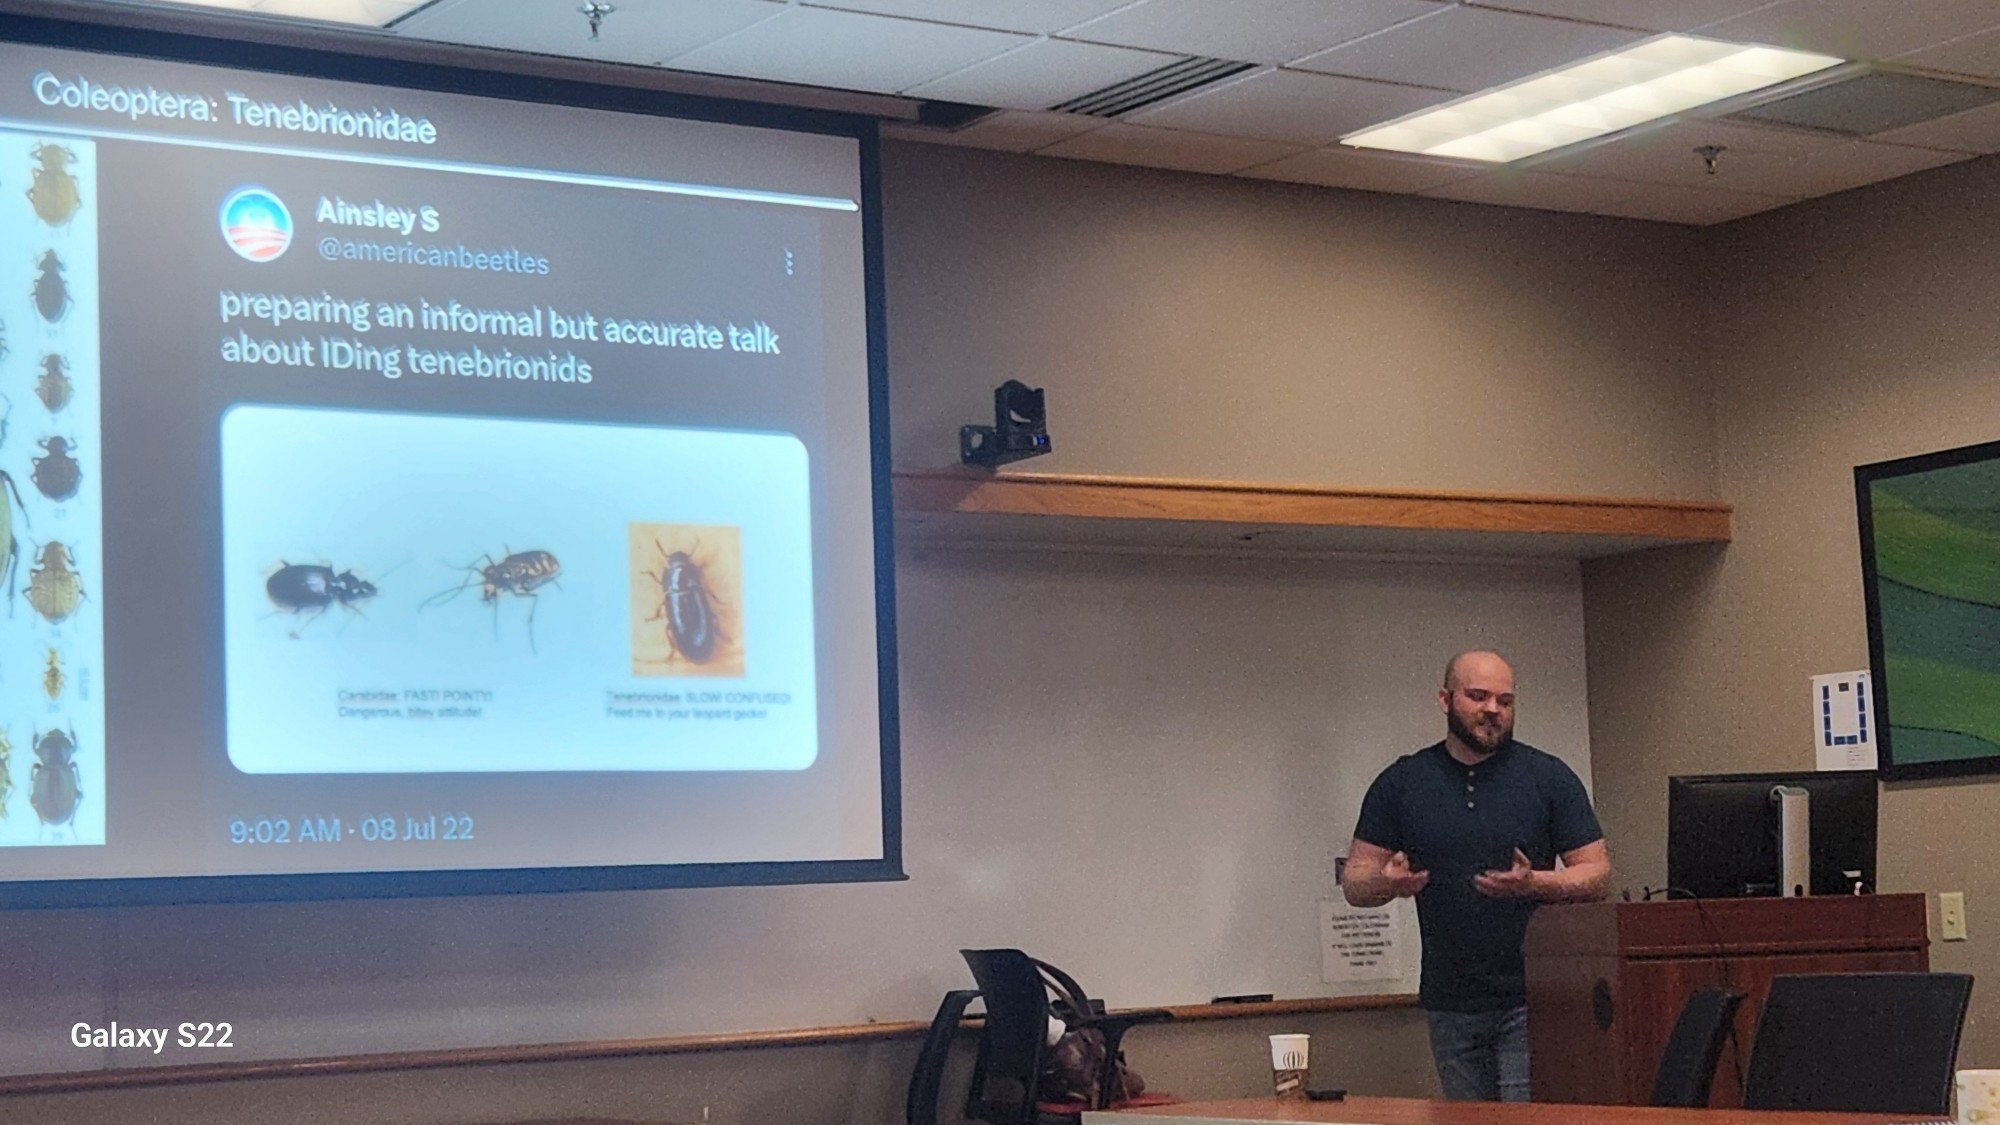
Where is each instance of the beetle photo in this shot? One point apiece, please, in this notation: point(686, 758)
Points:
point(520, 573)
point(53, 193)
point(686, 599)
point(54, 786)
point(310, 589)
point(56, 473)
point(10, 557)
point(51, 291)
point(52, 386)
point(54, 588)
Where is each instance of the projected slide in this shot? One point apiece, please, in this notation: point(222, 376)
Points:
point(52, 776)
point(394, 480)
point(490, 595)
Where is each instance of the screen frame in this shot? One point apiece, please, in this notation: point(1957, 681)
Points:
point(368, 60)
point(1864, 477)
point(1686, 851)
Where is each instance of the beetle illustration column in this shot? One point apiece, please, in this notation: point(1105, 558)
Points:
point(51, 503)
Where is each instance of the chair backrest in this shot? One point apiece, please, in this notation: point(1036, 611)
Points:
point(1005, 1078)
point(1858, 1042)
point(927, 1079)
point(1687, 1067)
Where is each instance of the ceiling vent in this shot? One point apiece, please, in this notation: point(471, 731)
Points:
point(1869, 103)
point(1152, 86)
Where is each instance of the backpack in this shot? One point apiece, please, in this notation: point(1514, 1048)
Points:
point(1073, 1067)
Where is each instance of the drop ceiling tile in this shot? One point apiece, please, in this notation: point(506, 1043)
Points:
point(642, 33)
point(1046, 72)
point(1667, 155)
point(1169, 148)
point(1647, 15)
point(1859, 29)
point(1347, 168)
point(1036, 17)
point(1007, 131)
point(1975, 130)
point(1258, 31)
point(1288, 105)
point(1550, 191)
point(1977, 55)
point(1666, 158)
point(846, 50)
point(1467, 49)
point(1844, 166)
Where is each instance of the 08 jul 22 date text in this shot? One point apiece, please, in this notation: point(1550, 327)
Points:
point(387, 828)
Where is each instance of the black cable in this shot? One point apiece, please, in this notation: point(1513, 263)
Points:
point(1714, 936)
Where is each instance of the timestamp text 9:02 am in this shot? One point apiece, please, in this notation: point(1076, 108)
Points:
point(369, 829)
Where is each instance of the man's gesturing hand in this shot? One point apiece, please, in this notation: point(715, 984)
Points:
point(1402, 881)
point(1517, 881)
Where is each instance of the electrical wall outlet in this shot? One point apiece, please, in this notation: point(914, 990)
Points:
point(1951, 915)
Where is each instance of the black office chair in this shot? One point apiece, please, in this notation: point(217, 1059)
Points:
point(1007, 1075)
point(1687, 1066)
point(927, 1079)
point(1858, 1042)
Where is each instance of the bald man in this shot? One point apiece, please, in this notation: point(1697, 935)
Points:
point(1472, 827)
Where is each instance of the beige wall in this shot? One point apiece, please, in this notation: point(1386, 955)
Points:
point(1839, 332)
point(1195, 326)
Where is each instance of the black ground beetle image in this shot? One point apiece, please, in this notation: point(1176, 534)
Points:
point(688, 606)
point(56, 473)
point(309, 588)
point(51, 291)
point(54, 788)
point(520, 573)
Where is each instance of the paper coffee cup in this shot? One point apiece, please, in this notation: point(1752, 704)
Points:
point(1289, 1061)
point(1978, 1097)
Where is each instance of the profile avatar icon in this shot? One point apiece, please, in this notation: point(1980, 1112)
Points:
point(256, 224)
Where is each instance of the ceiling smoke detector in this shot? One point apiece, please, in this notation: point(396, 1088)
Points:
point(595, 11)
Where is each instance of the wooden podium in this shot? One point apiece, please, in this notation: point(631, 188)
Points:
point(1606, 979)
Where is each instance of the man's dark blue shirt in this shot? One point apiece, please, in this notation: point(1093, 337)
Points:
point(1456, 821)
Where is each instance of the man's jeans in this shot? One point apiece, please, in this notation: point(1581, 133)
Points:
point(1481, 1056)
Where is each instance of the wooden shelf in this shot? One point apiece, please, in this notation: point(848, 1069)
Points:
point(1146, 513)
point(77, 1081)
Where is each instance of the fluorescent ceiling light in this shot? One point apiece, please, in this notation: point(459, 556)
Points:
point(368, 13)
point(1657, 78)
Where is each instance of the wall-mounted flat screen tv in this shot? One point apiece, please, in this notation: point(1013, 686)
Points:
point(408, 488)
point(1930, 561)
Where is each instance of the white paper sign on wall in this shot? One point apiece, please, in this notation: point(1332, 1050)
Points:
point(1366, 944)
point(1843, 721)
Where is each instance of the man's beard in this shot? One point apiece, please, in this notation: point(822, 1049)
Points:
point(1471, 739)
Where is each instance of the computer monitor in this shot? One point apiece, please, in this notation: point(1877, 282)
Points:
point(1722, 832)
